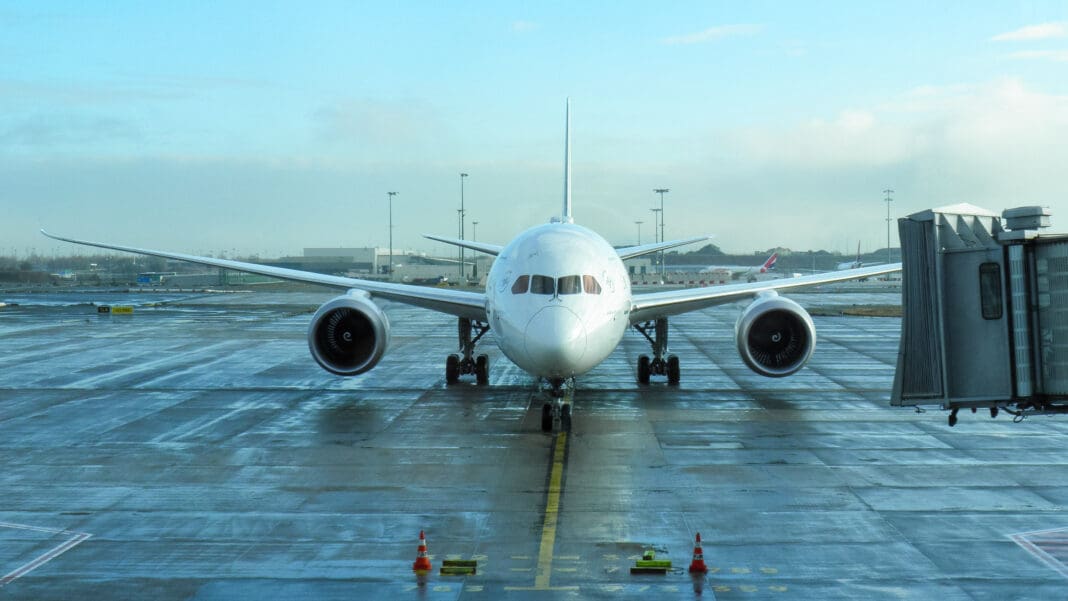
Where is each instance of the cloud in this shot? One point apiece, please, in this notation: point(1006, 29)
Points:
point(60, 130)
point(1042, 31)
point(524, 26)
point(995, 124)
point(378, 124)
point(1060, 56)
point(714, 33)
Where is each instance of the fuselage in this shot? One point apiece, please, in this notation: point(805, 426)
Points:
point(558, 299)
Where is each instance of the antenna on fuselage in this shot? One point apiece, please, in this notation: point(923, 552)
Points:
point(566, 216)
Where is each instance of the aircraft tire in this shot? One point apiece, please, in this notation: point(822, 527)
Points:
point(643, 369)
point(452, 369)
point(547, 417)
point(482, 369)
point(565, 418)
point(673, 374)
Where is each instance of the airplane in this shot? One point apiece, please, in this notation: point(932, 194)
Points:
point(559, 301)
point(751, 273)
point(855, 263)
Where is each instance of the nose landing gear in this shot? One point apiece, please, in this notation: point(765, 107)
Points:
point(556, 410)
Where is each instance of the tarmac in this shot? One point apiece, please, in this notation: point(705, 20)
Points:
point(194, 450)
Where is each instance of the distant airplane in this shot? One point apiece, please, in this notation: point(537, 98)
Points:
point(856, 263)
point(559, 301)
point(750, 272)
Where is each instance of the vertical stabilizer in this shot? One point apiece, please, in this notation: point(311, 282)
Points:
point(566, 215)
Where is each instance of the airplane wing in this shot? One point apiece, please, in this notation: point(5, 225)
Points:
point(630, 252)
point(471, 305)
point(654, 305)
point(489, 249)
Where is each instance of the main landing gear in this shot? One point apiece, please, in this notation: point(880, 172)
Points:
point(470, 331)
point(659, 365)
point(557, 409)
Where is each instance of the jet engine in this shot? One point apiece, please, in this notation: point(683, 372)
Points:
point(348, 335)
point(775, 335)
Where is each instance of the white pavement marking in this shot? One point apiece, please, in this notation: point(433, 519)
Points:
point(76, 538)
point(1032, 542)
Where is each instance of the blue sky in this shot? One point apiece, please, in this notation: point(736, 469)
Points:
point(266, 127)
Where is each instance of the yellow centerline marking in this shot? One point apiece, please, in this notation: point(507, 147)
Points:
point(552, 514)
point(548, 526)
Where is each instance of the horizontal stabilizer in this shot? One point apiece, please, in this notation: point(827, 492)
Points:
point(636, 251)
point(489, 249)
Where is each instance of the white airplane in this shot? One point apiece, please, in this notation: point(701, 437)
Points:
point(855, 263)
point(559, 301)
point(750, 272)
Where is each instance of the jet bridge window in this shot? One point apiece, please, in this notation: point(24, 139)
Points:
point(521, 284)
point(990, 290)
point(589, 283)
point(569, 284)
point(542, 284)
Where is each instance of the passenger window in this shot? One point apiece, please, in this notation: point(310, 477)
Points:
point(541, 284)
point(520, 285)
point(990, 290)
point(569, 284)
point(589, 283)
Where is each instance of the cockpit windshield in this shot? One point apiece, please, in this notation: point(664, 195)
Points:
point(542, 284)
point(521, 284)
point(591, 285)
point(568, 284)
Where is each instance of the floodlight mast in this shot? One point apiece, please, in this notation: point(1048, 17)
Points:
point(390, 268)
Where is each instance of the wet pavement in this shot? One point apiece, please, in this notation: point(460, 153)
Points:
point(194, 450)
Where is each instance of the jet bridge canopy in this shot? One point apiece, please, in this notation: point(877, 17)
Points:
point(985, 321)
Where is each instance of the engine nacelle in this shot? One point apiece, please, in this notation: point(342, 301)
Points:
point(775, 336)
point(348, 335)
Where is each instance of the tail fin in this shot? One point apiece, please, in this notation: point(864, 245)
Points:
point(770, 263)
point(566, 215)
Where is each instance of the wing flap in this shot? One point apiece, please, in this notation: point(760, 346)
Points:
point(471, 305)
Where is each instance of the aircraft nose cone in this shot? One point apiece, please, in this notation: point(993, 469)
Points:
point(556, 340)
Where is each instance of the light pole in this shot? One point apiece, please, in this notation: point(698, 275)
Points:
point(474, 262)
point(391, 195)
point(463, 176)
point(639, 224)
point(888, 192)
point(661, 192)
point(656, 228)
point(459, 221)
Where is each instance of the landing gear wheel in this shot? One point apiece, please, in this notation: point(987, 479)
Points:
point(643, 369)
point(452, 369)
point(547, 417)
point(673, 369)
point(482, 370)
point(565, 418)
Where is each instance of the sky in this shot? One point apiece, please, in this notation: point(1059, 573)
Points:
point(266, 127)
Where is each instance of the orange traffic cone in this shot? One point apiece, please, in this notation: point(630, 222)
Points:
point(422, 562)
point(698, 563)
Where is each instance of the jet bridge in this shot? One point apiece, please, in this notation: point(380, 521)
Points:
point(985, 312)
